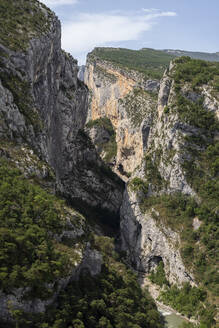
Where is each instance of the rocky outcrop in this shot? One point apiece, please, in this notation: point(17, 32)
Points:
point(129, 101)
point(86, 180)
point(81, 73)
point(166, 139)
point(147, 241)
point(50, 116)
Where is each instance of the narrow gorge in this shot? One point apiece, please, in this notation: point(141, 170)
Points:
point(108, 182)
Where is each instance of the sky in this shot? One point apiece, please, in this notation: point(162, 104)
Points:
point(160, 24)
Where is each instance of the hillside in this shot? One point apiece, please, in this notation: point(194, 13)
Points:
point(150, 62)
point(195, 55)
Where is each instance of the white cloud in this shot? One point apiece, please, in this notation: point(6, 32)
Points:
point(90, 30)
point(56, 3)
point(150, 10)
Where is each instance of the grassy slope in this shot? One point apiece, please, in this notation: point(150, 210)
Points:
point(148, 61)
point(195, 55)
point(22, 20)
point(151, 63)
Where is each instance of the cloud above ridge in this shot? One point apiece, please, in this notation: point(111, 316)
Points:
point(86, 31)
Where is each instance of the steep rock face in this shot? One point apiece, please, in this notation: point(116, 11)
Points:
point(175, 144)
point(51, 114)
point(43, 109)
point(143, 128)
point(148, 242)
point(81, 73)
point(87, 180)
point(128, 101)
point(166, 140)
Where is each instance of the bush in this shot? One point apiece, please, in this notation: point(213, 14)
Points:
point(166, 110)
point(138, 185)
point(158, 276)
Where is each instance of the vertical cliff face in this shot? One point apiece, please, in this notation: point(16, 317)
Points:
point(49, 110)
point(148, 241)
point(129, 101)
point(175, 170)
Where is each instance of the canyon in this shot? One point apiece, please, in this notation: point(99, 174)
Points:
point(133, 157)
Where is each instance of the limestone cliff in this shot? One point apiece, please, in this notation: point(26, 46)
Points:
point(163, 138)
point(148, 241)
point(177, 168)
point(129, 101)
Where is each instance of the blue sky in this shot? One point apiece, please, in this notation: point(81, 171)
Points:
point(160, 24)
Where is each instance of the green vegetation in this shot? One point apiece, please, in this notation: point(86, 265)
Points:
point(108, 147)
point(202, 172)
point(139, 104)
point(138, 185)
point(29, 217)
point(158, 276)
point(195, 55)
point(195, 114)
point(166, 110)
point(189, 301)
point(150, 62)
point(199, 247)
point(111, 299)
point(22, 20)
point(102, 74)
point(108, 300)
point(196, 72)
point(152, 174)
point(103, 122)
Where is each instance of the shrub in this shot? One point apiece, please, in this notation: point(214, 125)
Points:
point(158, 276)
point(166, 110)
point(138, 185)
